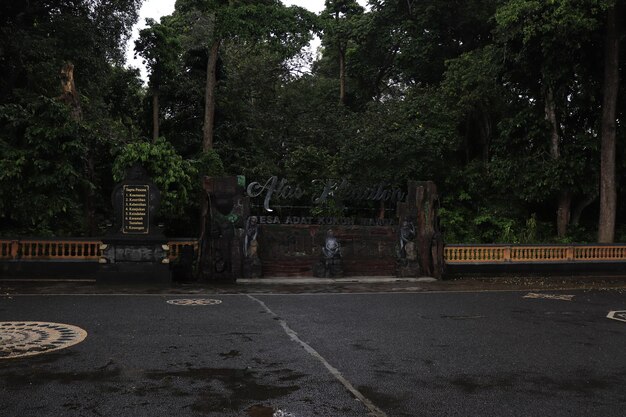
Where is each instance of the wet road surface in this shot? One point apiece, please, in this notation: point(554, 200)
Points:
point(323, 354)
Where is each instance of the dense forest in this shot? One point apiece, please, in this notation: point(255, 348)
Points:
point(512, 107)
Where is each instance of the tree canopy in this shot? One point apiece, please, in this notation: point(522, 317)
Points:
point(512, 107)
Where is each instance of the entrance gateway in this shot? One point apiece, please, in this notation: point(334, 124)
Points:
point(331, 228)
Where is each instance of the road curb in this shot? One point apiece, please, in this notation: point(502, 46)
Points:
point(350, 280)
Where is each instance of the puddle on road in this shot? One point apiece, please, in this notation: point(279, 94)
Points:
point(265, 411)
point(231, 354)
point(229, 389)
point(40, 376)
point(260, 411)
point(212, 389)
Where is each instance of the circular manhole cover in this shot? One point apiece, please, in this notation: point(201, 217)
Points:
point(194, 302)
point(27, 338)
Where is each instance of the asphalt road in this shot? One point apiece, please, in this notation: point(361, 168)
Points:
point(341, 354)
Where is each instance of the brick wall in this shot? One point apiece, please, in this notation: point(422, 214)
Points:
point(289, 250)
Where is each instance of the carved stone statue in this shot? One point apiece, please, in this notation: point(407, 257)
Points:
point(407, 234)
point(252, 231)
point(406, 263)
point(252, 267)
point(330, 266)
point(332, 247)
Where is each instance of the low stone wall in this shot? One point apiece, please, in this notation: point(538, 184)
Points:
point(289, 250)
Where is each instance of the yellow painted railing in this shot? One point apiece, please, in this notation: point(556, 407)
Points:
point(69, 250)
point(600, 252)
point(89, 250)
point(8, 249)
point(34, 249)
point(533, 253)
point(61, 250)
point(463, 254)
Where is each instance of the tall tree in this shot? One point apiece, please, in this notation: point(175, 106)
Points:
point(544, 44)
point(210, 22)
point(49, 135)
point(339, 25)
point(608, 192)
point(159, 46)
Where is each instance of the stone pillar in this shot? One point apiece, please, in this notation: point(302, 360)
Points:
point(223, 236)
point(134, 249)
point(420, 242)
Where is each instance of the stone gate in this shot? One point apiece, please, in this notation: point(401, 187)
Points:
point(244, 236)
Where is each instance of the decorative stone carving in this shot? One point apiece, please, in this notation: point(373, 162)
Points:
point(407, 234)
point(330, 266)
point(251, 263)
point(134, 248)
point(332, 247)
point(250, 242)
point(224, 239)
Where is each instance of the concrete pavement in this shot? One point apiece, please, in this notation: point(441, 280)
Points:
point(292, 285)
point(343, 353)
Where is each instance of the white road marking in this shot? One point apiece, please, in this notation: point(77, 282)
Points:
point(617, 315)
point(563, 297)
point(194, 302)
point(374, 411)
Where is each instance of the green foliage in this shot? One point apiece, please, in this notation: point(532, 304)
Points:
point(330, 208)
point(209, 164)
point(450, 91)
point(472, 80)
point(40, 168)
point(159, 45)
point(51, 182)
point(174, 176)
point(305, 164)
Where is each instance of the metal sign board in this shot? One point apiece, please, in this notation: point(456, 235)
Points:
point(136, 209)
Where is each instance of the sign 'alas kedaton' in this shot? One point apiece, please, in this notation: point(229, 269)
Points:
point(336, 189)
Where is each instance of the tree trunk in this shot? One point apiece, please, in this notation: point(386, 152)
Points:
point(90, 195)
point(69, 94)
point(578, 208)
point(608, 193)
point(71, 97)
point(466, 140)
point(563, 212)
point(342, 75)
point(485, 133)
point(209, 98)
point(155, 114)
point(550, 109)
point(426, 201)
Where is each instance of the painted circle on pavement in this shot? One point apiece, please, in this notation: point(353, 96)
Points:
point(28, 338)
